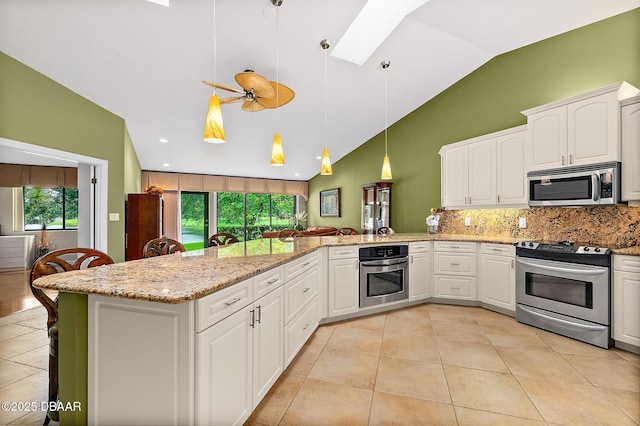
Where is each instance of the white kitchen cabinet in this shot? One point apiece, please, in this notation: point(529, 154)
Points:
point(455, 176)
point(497, 276)
point(15, 252)
point(343, 277)
point(419, 270)
point(454, 270)
point(238, 360)
point(511, 179)
point(630, 140)
point(486, 171)
point(583, 129)
point(626, 299)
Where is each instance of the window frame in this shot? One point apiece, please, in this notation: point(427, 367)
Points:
point(20, 209)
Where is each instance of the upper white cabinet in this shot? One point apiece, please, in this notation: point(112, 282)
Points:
point(630, 128)
point(583, 129)
point(486, 171)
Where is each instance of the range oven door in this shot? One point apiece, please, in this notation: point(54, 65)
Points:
point(574, 290)
point(383, 281)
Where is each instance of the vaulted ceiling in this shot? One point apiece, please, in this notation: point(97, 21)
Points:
point(145, 63)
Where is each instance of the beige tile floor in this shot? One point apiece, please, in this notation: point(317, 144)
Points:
point(441, 365)
point(428, 364)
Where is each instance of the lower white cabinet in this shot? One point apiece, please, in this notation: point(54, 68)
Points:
point(419, 270)
point(238, 360)
point(15, 251)
point(497, 276)
point(454, 270)
point(626, 299)
point(343, 280)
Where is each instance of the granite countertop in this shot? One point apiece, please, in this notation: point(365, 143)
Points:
point(181, 277)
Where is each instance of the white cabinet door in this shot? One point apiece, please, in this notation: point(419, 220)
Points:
point(511, 177)
point(626, 307)
point(482, 173)
point(224, 357)
point(343, 287)
point(593, 134)
point(268, 343)
point(419, 275)
point(630, 127)
point(456, 176)
point(497, 281)
point(547, 139)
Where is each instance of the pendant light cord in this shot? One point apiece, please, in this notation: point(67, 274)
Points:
point(386, 125)
point(326, 97)
point(277, 63)
point(215, 50)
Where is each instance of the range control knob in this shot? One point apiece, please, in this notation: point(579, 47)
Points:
point(597, 249)
point(586, 249)
point(523, 244)
point(530, 244)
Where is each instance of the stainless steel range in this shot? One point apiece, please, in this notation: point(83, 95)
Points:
point(566, 289)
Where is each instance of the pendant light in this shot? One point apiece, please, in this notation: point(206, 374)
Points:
point(386, 166)
point(214, 129)
point(326, 161)
point(277, 154)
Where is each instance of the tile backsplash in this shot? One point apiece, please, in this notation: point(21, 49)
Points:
point(612, 226)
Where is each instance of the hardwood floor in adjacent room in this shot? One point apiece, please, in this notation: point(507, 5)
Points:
point(15, 294)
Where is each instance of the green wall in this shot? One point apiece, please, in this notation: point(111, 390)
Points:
point(487, 100)
point(35, 109)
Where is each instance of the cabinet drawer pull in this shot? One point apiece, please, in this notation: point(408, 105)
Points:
point(232, 301)
point(562, 159)
point(306, 326)
point(272, 280)
point(306, 290)
point(512, 264)
point(253, 318)
point(259, 308)
point(455, 288)
point(454, 246)
point(306, 263)
point(454, 264)
point(570, 158)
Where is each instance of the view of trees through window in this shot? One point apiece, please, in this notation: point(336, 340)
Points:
point(195, 219)
point(248, 216)
point(50, 208)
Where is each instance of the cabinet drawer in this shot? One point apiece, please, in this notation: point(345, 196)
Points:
point(299, 291)
point(13, 242)
point(268, 281)
point(298, 266)
point(298, 331)
point(219, 305)
point(343, 252)
point(455, 287)
point(457, 246)
point(499, 249)
point(626, 263)
point(9, 252)
point(454, 263)
point(13, 262)
point(420, 247)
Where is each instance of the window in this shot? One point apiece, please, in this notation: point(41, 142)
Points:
point(195, 219)
point(50, 208)
point(248, 216)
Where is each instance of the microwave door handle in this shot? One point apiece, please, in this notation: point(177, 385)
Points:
point(596, 187)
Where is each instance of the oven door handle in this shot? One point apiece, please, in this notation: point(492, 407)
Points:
point(563, 269)
point(383, 263)
point(573, 324)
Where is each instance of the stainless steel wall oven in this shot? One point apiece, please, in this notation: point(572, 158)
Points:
point(383, 274)
point(565, 289)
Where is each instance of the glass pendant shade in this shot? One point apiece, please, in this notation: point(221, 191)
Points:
point(386, 169)
point(277, 155)
point(214, 129)
point(326, 163)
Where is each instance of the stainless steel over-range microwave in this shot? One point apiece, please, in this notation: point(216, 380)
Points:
point(590, 185)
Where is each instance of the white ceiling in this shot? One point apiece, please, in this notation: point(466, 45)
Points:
point(145, 62)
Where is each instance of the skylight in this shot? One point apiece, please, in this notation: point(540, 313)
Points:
point(372, 26)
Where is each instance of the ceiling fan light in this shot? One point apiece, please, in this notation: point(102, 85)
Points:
point(277, 154)
point(326, 164)
point(386, 169)
point(214, 128)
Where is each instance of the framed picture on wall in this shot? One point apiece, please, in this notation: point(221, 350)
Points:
point(330, 202)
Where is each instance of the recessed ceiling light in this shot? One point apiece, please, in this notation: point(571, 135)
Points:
point(318, 158)
point(165, 164)
point(164, 140)
point(372, 26)
point(296, 174)
point(160, 2)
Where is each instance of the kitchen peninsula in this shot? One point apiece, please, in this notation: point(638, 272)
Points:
point(178, 338)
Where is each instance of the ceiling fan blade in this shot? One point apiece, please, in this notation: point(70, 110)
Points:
point(251, 106)
point(231, 100)
point(219, 86)
point(282, 95)
point(250, 80)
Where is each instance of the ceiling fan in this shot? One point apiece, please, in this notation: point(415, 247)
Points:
point(257, 92)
